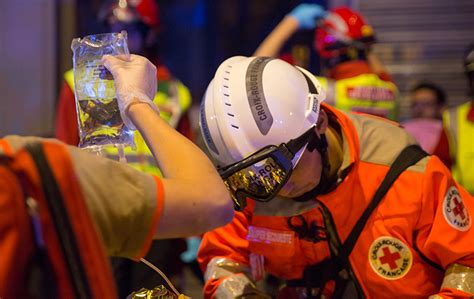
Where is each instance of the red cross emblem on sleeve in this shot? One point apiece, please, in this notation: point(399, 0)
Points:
point(454, 210)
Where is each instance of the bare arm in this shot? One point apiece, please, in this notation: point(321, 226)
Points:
point(375, 64)
point(303, 16)
point(273, 43)
point(196, 199)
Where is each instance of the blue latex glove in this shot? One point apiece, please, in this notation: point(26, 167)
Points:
point(307, 14)
point(191, 253)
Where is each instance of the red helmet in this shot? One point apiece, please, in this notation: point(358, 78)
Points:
point(129, 11)
point(341, 28)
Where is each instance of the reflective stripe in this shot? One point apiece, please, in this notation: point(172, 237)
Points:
point(460, 131)
point(459, 277)
point(234, 286)
point(141, 158)
point(220, 267)
point(69, 77)
point(184, 96)
point(364, 93)
point(235, 274)
point(450, 122)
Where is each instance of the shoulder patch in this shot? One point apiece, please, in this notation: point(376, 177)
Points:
point(455, 211)
point(390, 258)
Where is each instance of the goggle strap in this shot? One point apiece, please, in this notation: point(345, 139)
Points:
point(294, 145)
point(319, 143)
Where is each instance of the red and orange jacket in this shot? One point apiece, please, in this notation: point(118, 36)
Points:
point(101, 210)
point(420, 229)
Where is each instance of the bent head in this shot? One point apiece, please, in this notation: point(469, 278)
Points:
point(257, 118)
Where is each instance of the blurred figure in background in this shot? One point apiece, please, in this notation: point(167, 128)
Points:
point(427, 101)
point(356, 79)
point(459, 122)
point(141, 21)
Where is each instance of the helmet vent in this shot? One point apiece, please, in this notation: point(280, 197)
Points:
point(234, 126)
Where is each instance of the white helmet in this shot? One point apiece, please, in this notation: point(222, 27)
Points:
point(253, 102)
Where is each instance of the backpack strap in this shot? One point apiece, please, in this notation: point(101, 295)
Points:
point(408, 157)
point(319, 274)
point(89, 272)
point(63, 227)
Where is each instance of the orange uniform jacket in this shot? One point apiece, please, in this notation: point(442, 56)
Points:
point(421, 227)
point(124, 203)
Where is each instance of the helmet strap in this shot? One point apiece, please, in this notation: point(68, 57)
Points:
point(320, 144)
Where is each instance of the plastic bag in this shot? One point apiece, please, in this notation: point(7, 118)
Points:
point(98, 114)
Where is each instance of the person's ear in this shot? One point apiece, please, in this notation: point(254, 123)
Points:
point(322, 123)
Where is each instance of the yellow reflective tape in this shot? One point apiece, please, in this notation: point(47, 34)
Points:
point(184, 96)
point(69, 77)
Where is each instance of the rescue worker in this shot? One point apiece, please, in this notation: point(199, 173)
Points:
point(141, 21)
point(304, 176)
point(355, 78)
point(427, 101)
point(459, 122)
point(129, 207)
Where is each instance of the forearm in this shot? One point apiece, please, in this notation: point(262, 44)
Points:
point(375, 64)
point(196, 199)
point(173, 152)
point(273, 43)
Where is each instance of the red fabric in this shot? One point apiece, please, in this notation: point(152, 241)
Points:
point(66, 128)
point(90, 246)
point(354, 68)
point(16, 242)
point(470, 114)
point(442, 149)
point(15, 234)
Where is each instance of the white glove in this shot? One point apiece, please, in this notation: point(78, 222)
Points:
point(135, 82)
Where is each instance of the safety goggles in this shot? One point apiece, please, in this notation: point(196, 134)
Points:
point(261, 175)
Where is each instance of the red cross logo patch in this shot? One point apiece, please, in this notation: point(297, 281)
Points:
point(390, 258)
point(454, 210)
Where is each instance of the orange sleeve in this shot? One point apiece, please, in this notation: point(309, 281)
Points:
point(227, 242)
point(185, 128)
point(444, 232)
point(160, 196)
point(66, 128)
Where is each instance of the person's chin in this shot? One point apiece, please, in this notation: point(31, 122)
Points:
point(294, 193)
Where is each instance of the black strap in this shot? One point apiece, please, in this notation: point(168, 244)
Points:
point(61, 222)
point(409, 156)
point(318, 275)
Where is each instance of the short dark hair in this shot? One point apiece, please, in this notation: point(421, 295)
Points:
point(436, 89)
